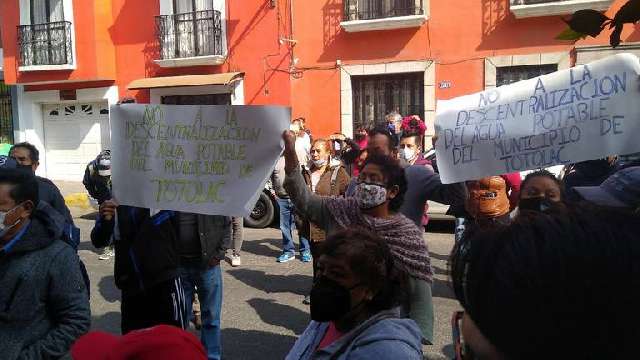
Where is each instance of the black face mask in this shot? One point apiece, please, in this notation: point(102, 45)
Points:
point(28, 168)
point(540, 204)
point(329, 300)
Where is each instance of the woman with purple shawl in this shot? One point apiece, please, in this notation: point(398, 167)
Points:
point(379, 195)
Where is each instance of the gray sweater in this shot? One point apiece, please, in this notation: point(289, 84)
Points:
point(44, 306)
point(383, 336)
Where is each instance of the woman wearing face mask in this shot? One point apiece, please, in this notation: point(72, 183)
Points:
point(539, 191)
point(354, 304)
point(324, 178)
point(378, 196)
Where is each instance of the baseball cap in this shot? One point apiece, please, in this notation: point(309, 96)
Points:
point(162, 342)
point(7, 162)
point(621, 189)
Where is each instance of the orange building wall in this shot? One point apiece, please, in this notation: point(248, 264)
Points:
point(116, 40)
point(252, 42)
point(458, 36)
point(94, 51)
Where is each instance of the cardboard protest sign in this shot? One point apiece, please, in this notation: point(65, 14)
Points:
point(583, 113)
point(202, 159)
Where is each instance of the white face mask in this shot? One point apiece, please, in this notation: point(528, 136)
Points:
point(319, 163)
point(370, 195)
point(408, 153)
point(3, 214)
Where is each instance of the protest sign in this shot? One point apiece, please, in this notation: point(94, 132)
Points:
point(202, 159)
point(583, 113)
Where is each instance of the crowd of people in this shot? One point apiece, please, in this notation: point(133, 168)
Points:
point(544, 267)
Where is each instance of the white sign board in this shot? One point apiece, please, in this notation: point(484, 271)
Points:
point(202, 159)
point(583, 113)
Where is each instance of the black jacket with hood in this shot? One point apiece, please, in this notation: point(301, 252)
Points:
point(44, 305)
point(146, 246)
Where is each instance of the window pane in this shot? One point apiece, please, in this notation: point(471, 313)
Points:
point(376, 96)
point(55, 7)
point(182, 6)
point(509, 74)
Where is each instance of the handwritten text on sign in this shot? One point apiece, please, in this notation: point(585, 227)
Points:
point(582, 113)
point(201, 159)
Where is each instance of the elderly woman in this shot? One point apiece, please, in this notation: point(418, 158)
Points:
point(378, 196)
point(354, 304)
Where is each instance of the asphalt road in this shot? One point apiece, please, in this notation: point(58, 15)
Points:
point(262, 306)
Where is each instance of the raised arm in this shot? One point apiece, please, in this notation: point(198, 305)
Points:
point(305, 202)
point(435, 190)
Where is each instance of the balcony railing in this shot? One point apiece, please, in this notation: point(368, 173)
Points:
point(191, 34)
point(45, 44)
point(381, 9)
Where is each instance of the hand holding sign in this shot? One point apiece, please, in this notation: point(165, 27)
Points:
point(587, 112)
point(202, 159)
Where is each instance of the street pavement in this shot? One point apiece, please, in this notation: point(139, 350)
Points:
point(262, 307)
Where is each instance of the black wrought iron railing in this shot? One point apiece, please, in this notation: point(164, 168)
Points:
point(191, 34)
point(380, 9)
point(45, 44)
point(532, 2)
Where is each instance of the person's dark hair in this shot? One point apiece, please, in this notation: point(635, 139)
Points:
point(394, 175)
point(383, 130)
point(24, 185)
point(34, 154)
point(543, 173)
point(417, 139)
point(370, 259)
point(567, 281)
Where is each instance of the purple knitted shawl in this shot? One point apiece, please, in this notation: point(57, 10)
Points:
point(404, 238)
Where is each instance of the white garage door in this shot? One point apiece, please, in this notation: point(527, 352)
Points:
point(72, 137)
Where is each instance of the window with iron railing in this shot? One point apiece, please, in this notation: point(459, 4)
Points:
point(6, 114)
point(380, 9)
point(45, 44)
point(190, 34)
point(47, 39)
point(377, 95)
point(509, 74)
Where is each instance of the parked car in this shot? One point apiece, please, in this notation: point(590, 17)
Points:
point(266, 210)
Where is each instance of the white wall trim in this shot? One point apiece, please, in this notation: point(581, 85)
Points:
point(562, 59)
point(399, 22)
point(192, 61)
point(47, 67)
point(346, 94)
point(30, 125)
point(236, 90)
point(587, 54)
point(558, 7)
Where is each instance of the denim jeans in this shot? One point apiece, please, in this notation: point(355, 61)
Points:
point(287, 224)
point(209, 284)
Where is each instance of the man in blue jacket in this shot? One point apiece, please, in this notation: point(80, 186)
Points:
point(44, 307)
